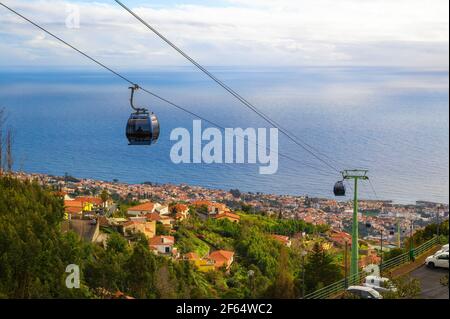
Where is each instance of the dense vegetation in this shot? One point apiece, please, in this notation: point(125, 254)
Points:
point(34, 253)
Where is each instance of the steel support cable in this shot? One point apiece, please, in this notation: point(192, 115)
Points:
point(292, 137)
point(373, 189)
point(146, 90)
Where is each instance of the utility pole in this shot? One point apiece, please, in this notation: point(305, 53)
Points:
point(438, 212)
point(346, 263)
point(356, 175)
point(399, 243)
point(411, 241)
point(381, 255)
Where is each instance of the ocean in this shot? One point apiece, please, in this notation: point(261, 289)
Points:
point(392, 121)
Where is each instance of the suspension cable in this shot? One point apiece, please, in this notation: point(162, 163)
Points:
point(148, 91)
point(373, 189)
point(308, 148)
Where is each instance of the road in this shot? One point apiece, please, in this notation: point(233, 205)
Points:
point(84, 229)
point(430, 282)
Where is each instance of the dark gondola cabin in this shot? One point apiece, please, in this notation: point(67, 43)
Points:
point(142, 129)
point(142, 126)
point(339, 189)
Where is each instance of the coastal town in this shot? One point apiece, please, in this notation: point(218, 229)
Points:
point(92, 207)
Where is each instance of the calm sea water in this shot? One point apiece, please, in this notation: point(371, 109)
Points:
point(395, 122)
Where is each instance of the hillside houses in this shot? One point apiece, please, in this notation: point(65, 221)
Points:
point(167, 221)
point(132, 227)
point(142, 209)
point(148, 208)
point(171, 205)
point(180, 211)
point(212, 208)
point(222, 258)
point(339, 238)
point(73, 208)
point(163, 245)
point(202, 264)
point(94, 202)
point(217, 260)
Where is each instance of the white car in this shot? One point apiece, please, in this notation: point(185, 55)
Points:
point(380, 284)
point(444, 249)
point(364, 292)
point(437, 260)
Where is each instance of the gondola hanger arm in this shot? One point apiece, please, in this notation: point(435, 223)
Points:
point(134, 88)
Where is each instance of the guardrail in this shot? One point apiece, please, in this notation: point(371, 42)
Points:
point(340, 286)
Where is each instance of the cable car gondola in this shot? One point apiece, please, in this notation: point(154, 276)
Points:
point(339, 189)
point(142, 127)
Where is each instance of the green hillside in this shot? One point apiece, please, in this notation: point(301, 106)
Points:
point(34, 253)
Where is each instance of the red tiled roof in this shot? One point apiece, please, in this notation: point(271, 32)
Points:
point(153, 216)
point(221, 257)
point(143, 207)
point(73, 203)
point(158, 240)
point(89, 199)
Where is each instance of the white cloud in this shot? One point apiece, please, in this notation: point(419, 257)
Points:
point(410, 33)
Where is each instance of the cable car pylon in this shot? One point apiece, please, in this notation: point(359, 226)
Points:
point(339, 190)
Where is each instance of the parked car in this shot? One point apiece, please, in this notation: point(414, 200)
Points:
point(364, 292)
point(380, 284)
point(437, 260)
point(444, 249)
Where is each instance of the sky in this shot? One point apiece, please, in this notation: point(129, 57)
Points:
point(374, 33)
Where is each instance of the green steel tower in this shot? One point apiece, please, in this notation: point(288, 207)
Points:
point(356, 174)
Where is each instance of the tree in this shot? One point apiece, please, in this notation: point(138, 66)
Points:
point(321, 269)
point(104, 196)
point(283, 287)
point(34, 253)
point(141, 268)
point(116, 243)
